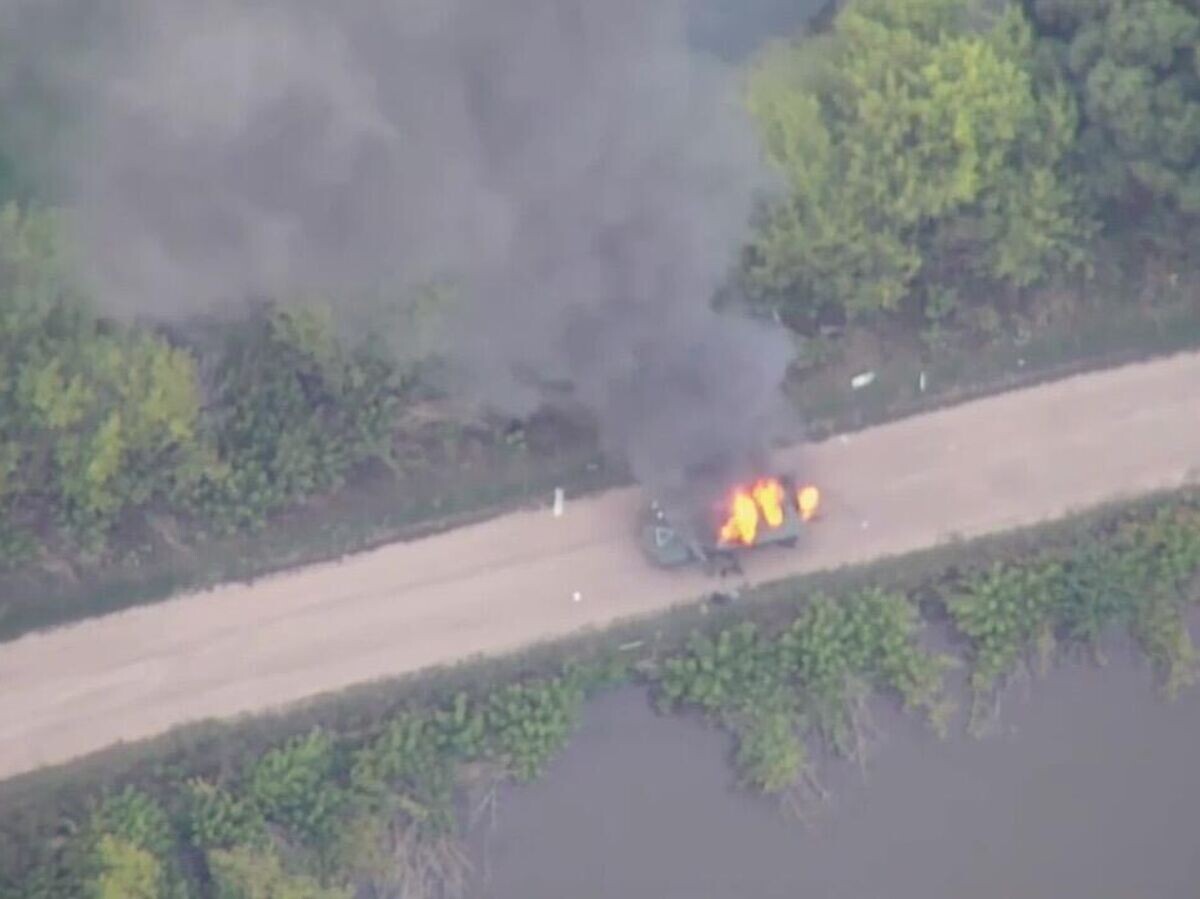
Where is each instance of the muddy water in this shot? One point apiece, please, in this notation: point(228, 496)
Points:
point(1090, 788)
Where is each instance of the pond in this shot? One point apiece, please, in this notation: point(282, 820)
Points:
point(1087, 788)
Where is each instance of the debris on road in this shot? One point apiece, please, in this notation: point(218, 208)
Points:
point(576, 596)
point(724, 597)
point(862, 380)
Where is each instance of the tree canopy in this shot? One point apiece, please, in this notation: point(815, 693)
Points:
point(1136, 73)
point(921, 154)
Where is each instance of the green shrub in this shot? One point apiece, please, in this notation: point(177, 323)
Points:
point(125, 871)
point(247, 874)
point(462, 728)
point(529, 723)
point(137, 819)
point(811, 674)
point(295, 786)
point(1003, 611)
point(770, 754)
point(406, 770)
point(733, 672)
point(218, 820)
point(1139, 577)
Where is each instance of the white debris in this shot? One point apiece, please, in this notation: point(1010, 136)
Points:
point(862, 380)
point(559, 501)
point(842, 438)
point(576, 596)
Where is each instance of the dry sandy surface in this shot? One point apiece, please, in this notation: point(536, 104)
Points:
point(1015, 459)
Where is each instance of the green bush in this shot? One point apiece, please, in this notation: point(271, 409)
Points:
point(1002, 612)
point(1137, 578)
point(770, 756)
point(530, 723)
point(100, 421)
point(462, 728)
point(809, 675)
point(133, 849)
point(406, 770)
point(246, 874)
point(125, 871)
point(295, 786)
point(294, 411)
point(137, 819)
point(216, 819)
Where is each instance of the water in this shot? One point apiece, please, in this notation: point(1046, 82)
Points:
point(1089, 790)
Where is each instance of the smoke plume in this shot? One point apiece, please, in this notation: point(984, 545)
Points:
point(581, 173)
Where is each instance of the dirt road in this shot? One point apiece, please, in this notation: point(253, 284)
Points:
point(1011, 460)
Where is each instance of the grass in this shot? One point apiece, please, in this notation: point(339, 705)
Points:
point(789, 665)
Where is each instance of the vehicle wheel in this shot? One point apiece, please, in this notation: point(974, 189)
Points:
point(730, 565)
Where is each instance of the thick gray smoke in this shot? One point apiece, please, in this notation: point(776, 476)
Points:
point(583, 174)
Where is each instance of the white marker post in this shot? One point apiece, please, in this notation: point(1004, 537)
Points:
point(559, 501)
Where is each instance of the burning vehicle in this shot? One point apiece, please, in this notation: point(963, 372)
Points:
point(712, 522)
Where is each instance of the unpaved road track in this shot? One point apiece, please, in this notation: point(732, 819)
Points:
point(1015, 459)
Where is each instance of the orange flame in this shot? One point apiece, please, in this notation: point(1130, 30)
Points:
point(768, 493)
point(808, 500)
point(742, 526)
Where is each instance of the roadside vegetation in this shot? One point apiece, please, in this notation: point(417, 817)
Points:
point(374, 797)
point(978, 192)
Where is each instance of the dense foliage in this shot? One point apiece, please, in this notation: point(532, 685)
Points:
point(771, 689)
point(100, 421)
point(292, 411)
point(319, 812)
point(924, 159)
point(1134, 70)
point(1140, 580)
point(94, 419)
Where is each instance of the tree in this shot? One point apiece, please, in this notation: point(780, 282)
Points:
point(293, 410)
point(294, 787)
point(95, 419)
point(217, 819)
point(921, 154)
point(117, 417)
point(249, 874)
point(1136, 73)
point(126, 872)
point(135, 818)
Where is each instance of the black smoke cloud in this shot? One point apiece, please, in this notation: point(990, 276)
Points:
point(582, 174)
